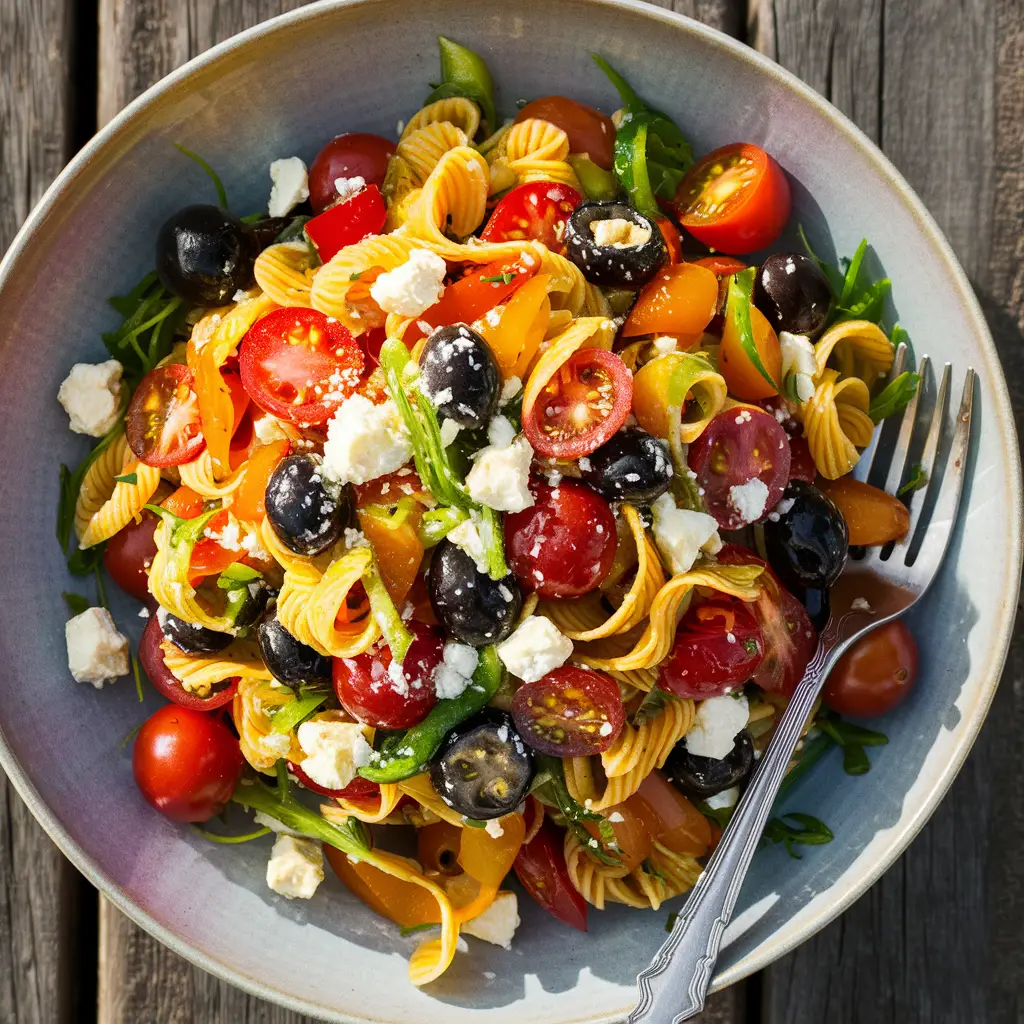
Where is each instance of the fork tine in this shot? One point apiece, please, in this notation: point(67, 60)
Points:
point(918, 502)
point(867, 458)
point(899, 467)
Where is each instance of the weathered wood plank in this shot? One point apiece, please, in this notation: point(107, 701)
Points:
point(725, 15)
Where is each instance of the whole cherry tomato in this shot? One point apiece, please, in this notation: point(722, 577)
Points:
point(353, 155)
point(540, 867)
point(876, 674)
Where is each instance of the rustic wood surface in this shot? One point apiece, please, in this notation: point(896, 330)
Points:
point(939, 84)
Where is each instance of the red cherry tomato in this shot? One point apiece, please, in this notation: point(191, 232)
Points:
point(354, 155)
point(571, 712)
point(538, 210)
point(162, 423)
point(129, 553)
point(583, 404)
point(876, 674)
point(718, 647)
point(348, 222)
point(356, 789)
point(673, 240)
point(299, 365)
point(737, 446)
point(151, 658)
point(186, 763)
point(564, 544)
point(589, 130)
point(367, 692)
point(735, 200)
point(184, 503)
point(540, 868)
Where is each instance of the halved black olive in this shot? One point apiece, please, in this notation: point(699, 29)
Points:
point(288, 660)
point(303, 512)
point(633, 466)
point(460, 375)
point(192, 639)
point(613, 244)
point(793, 294)
point(258, 595)
point(701, 777)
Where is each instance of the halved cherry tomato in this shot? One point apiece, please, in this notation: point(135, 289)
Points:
point(672, 820)
point(352, 155)
point(151, 658)
point(581, 407)
point(872, 516)
point(437, 848)
point(348, 222)
point(876, 674)
point(162, 423)
point(209, 556)
point(673, 240)
point(358, 787)
point(540, 867)
point(679, 299)
point(801, 462)
point(633, 839)
point(718, 646)
point(571, 712)
point(589, 130)
point(184, 503)
point(743, 378)
point(299, 365)
point(129, 553)
point(538, 210)
point(248, 504)
point(736, 199)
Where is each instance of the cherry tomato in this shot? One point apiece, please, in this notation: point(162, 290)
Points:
point(589, 130)
point(209, 556)
point(540, 868)
point(671, 819)
point(564, 544)
point(736, 446)
point(581, 407)
point(366, 690)
point(151, 658)
point(735, 200)
point(801, 461)
point(437, 848)
point(872, 516)
point(299, 365)
point(679, 299)
point(876, 674)
point(358, 787)
point(537, 210)
point(186, 763)
point(249, 498)
point(184, 503)
point(571, 712)
point(633, 839)
point(162, 423)
point(353, 155)
point(348, 222)
point(719, 646)
point(129, 553)
point(743, 378)
point(673, 240)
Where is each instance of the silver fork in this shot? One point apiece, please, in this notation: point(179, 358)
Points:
point(871, 591)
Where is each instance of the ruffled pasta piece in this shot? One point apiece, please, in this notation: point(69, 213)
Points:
point(594, 302)
point(98, 483)
point(836, 423)
point(422, 791)
point(457, 110)
point(859, 348)
point(253, 699)
point(532, 150)
point(126, 501)
point(371, 809)
point(199, 475)
point(423, 148)
point(285, 272)
point(199, 673)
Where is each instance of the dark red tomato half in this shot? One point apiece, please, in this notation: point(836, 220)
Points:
point(129, 553)
point(581, 407)
point(801, 462)
point(348, 222)
point(719, 646)
point(366, 690)
point(739, 445)
point(540, 868)
point(356, 789)
point(151, 658)
point(564, 544)
point(186, 763)
point(354, 155)
point(538, 210)
point(588, 130)
point(299, 365)
point(571, 712)
point(162, 423)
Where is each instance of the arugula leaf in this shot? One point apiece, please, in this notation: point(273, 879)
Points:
point(464, 73)
point(473, 823)
point(75, 602)
point(795, 828)
point(85, 561)
point(222, 196)
point(653, 704)
point(128, 478)
point(832, 273)
point(895, 396)
point(852, 739)
point(555, 793)
point(918, 478)
point(297, 711)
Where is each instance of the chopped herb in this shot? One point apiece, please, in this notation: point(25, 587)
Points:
point(811, 752)
point(214, 838)
point(652, 705)
point(296, 232)
point(128, 478)
point(918, 478)
point(131, 736)
point(137, 674)
point(415, 929)
point(505, 278)
point(721, 816)
point(222, 196)
point(473, 823)
point(852, 739)
point(648, 868)
point(555, 793)
point(355, 277)
point(855, 300)
point(797, 829)
point(75, 602)
point(670, 921)
point(894, 396)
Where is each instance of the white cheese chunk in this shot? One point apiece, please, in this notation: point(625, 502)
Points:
point(749, 499)
point(275, 744)
point(494, 829)
point(91, 396)
point(273, 824)
point(536, 648)
point(500, 477)
point(509, 390)
point(724, 800)
point(365, 441)
point(714, 730)
point(798, 358)
point(291, 186)
point(500, 432)
point(334, 751)
point(498, 923)
point(681, 534)
point(412, 287)
point(295, 868)
point(454, 674)
point(467, 536)
point(619, 233)
point(97, 652)
point(348, 187)
point(269, 429)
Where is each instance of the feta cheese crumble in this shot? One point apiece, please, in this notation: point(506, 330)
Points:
point(493, 828)
point(412, 287)
point(500, 477)
point(291, 186)
point(348, 187)
point(500, 432)
point(714, 730)
point(365, 441)
point(681, 534)
point(295, 868)
point(454, 674)
point(467, 537)
point(749, 499)
point(509, 390)
point(91, 396)
point(498, 923)
point(97, 652)
point(269, 429)
point(724, 800)
point(798, 358)
point(334, 751)
point(536, 647)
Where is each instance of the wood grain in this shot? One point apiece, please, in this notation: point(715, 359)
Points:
point(725, 15)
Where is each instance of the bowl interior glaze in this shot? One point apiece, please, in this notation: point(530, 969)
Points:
point(282, 90)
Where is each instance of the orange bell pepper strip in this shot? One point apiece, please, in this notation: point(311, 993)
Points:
point(520, 329)
point(679, 299)
point(395, 539)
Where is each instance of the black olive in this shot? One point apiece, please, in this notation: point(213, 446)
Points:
point(471, 606)
point(288, 660)
point(267, 229)
point(483, 769)
point(818, 608)
point(460, 375)
point(633, 466)
point(806, 538)
point(626, 257)
point(304, 513)
point(258, 594)
point(205, 254)
point(793, 294)
point(701, 777)
point(192, 639)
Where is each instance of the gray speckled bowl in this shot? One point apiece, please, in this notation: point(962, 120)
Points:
point(282, 89)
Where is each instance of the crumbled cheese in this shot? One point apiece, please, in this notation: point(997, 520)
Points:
point(454, 674)
point(413, 286)
point(616, 817)
point(724, 800)
point(798, 358)
point(509, 390)
point(714, 730)
point(500, 432)
point(749, 499)
point(91, 396)
point(355, 538)
point(500, 477)
point(449, 431)
point(536, 648)
point(619, 233)
point(97, 652)
point(295, 868)
point(467, 537)
point(665, 344)
point(273, 824)
point(269, 429)
point(291, 186)
point(348, 187)
point(860, 604)
point(334, 751)
point(494, 829)
point(681, 534)
point(275, 744)
point(365, 441)
point(498, 923)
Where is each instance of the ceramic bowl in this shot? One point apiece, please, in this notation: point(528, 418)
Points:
point(283, 89)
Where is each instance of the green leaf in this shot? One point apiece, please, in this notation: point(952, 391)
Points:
point(153, 317)
point(650, 869)
point(297, 711)
point(855, 761)
point(222, 196)
point(414, 929)
point(502, 278)
point(795, 828)
point(137, 676)
point(237, 574)
point(295, 230)
point(128, 478)
point(809, 755)
point(465, 73)
point(231, 840)
point(852, 273)
point(653, 704)
point(84, 561)
point(918, 478)
point(895, 396)
point(184, 535)
point(629, 98)
point(741, 287)
point(473, 823)
point(76, 603)
point(833, 274)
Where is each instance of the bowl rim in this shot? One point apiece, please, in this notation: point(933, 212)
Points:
point(845, 889)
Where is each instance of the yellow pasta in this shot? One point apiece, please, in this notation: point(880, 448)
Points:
point(285, 272)
point(199, 673)
point(98, 483)
point(532, 150)
point(836, 423)
point(126, 501)
point(858, 347)
point(261, 746)
point(371, 809)
point(457, 110)
point(423, 148)
point(199, 475)
point(420, 789)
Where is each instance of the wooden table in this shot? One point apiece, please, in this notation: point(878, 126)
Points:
point(939, 84)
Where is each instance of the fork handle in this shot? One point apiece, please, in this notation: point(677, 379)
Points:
point(674, 986)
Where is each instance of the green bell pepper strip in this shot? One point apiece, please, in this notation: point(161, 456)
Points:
point(403, 755)
point(437, 523)
point(297, 711)
point(382, 608)
point(598, 184)
point(464, 73)
point(737, 309)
